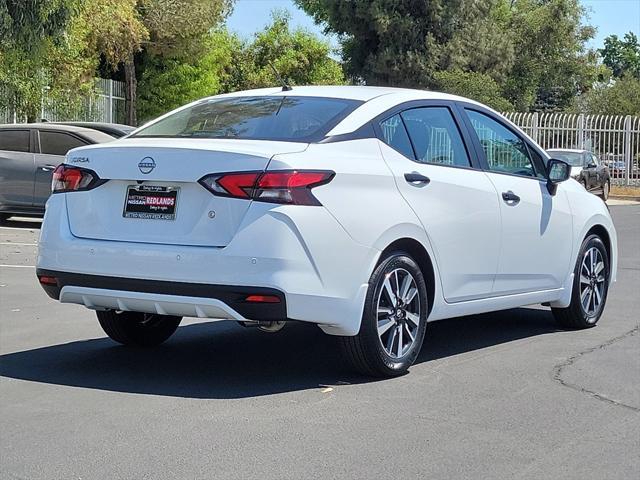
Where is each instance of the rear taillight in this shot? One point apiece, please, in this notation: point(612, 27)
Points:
point(72, 179)
point(285, 186)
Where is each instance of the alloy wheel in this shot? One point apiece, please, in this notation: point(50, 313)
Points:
point(592, 282)
point(398, 310)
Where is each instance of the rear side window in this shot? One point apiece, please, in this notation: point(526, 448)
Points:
point(395, 135)
point(14, 140)
point(58, 143)
point(435, 136)
point(293, 119)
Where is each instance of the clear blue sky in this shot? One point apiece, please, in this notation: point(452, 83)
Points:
point(608, 16)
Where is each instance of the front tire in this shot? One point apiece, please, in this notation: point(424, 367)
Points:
point(590, 287)
point(136, 328)
point(394, 320)
point(606, 188)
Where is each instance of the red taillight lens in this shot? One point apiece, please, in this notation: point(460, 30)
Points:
point(286, 186)
point(72, 179)
point(46, 280)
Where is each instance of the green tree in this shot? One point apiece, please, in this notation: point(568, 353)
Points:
point(402, 43)
point(30, 32)
point(477, 86)
point(622, 56)
point(299, 57)
point(621, 97)
point(167, 83)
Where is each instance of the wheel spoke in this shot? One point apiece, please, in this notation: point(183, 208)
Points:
point(597, 299)
point(400, 346)
point(584, 279)
point(385, 325)
point(384, 312)
point(391, 340)
point(599, 268)
point(413, 318)
point(404, 290)
point(410, 296)
point(408, 330)
point(583, 297)
point(389, 290)
point(589, 301)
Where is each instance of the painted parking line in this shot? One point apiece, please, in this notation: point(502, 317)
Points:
point(17, 266)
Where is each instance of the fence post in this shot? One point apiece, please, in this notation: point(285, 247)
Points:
point(581, 131)
point(534, 127)
point(627, 149)
point(110, 114)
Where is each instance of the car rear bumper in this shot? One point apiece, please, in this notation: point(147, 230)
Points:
point(302, 255)
point(164, 298)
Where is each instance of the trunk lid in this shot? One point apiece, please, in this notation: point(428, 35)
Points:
point(149, 176)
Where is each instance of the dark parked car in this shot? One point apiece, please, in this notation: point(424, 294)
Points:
point(586, 168)
point(28, 155)
point(116, 130)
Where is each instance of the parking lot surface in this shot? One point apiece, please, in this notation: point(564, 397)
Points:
point(503, 395)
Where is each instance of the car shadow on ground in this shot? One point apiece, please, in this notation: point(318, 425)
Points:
point(223, 360)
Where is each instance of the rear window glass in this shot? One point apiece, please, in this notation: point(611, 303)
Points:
point(294, 119)
point(58, 143)
point(14, 140)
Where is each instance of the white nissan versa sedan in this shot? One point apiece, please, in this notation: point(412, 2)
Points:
point(367, 211)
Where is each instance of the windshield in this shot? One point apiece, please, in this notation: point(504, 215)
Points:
point(294, 119)
point(575, 159)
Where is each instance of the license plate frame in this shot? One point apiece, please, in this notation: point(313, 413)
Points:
point(146, 202)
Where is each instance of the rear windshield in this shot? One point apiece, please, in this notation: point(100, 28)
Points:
point(292, 119)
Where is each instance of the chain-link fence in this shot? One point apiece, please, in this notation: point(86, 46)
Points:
point(106, 104)
point(615, 139)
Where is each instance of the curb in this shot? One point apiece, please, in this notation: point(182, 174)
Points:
point(633, 198)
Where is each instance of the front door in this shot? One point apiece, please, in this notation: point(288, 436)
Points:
point(16, 169)
point(456, 203)
point(536, 226)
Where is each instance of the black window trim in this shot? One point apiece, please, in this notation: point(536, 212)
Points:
point(38, 145)
point(464, 106)
point(457, 120)
point(19, 128)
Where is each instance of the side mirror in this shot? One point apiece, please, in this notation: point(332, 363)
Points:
point(557, 171)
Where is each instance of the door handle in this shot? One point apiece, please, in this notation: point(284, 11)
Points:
point(510, 198)
point(416, 179)
point(48, 168)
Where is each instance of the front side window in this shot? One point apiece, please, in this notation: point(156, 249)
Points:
point(14, 140)
point(435, 136)
point(505, 151)
point(293, 119)
point(58, 143)
point(395, 135)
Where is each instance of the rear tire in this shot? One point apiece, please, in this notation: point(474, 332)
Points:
point(394, 320)
point(136, 328)
point(590, 287)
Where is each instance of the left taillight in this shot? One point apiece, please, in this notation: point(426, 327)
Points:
point(292, 187)
point(74, 179)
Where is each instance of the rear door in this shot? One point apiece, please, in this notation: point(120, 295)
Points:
point(16, 168)
point(454, 200)
point(53, 146)
point(537, 229)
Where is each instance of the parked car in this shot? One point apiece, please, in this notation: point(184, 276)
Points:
point(587, 169)
point(337, 206)
point(116, 130)
point(28, 155)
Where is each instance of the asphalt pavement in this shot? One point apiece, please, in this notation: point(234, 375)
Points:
point(504, 395)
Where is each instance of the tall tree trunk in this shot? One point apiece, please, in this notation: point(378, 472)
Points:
point(130, 86)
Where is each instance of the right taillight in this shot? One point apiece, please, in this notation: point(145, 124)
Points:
point(72, 179)
point(291, 187)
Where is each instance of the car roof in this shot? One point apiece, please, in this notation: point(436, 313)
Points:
point(350, 92)
point(100, 126)
point(88, 133)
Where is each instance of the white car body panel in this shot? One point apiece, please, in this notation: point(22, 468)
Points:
point(486, 255)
